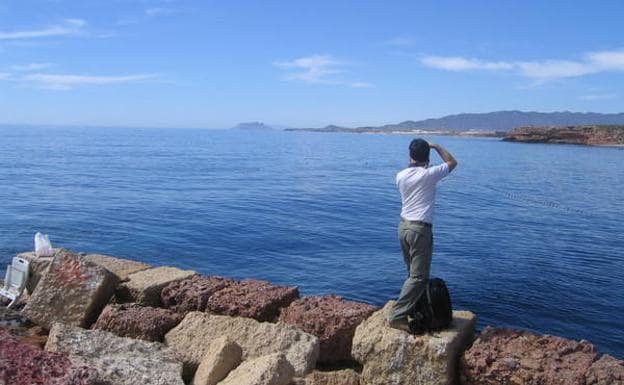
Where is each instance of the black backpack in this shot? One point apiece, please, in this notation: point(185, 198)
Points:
point(433, 310)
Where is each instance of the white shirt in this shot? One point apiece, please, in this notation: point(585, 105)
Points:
point(417, 186)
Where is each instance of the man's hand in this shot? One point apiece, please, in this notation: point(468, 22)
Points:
point(445, 155)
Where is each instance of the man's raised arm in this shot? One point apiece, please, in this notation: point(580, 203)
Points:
point(445, 155)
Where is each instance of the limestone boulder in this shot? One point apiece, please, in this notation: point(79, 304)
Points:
point(332, 319)
point(272, 369)
point(192, 294)
point(118, 360)
point(24, 364)
point(502, 356)
point(144, 287)
point(37, 267)
point(137, 321)
point(120, 267)
point(394, 357)
point(73, 292)
point(332, 377)
point(607, 370)
point(222, 357)
point(197, 331)
point(251, 298)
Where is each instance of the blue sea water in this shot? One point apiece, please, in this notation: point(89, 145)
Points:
point(526, 236)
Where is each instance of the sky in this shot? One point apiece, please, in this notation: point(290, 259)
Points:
point(213, 64)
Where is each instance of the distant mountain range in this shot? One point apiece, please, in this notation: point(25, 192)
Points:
point(491, 121)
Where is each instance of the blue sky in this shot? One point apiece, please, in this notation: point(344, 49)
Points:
point(213, 64)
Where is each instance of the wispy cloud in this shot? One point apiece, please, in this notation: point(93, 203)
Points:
point(30, 66)
point(401, 41)
point(68, 27)
point(458, 63)
point(318, 69)
point(592, 97)
point(5, 75)
point(69, 81)
point(158, 11)
point(541, 70)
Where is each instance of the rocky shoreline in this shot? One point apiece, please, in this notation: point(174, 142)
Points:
point(96, 319)
point(584, 135)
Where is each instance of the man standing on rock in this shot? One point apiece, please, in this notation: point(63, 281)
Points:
point(417, 185)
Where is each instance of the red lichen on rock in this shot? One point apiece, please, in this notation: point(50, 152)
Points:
point(501, 356)
point(23, 364)
point(136, 321)
point(332, 319)
point(251, 298)
point(192, 294)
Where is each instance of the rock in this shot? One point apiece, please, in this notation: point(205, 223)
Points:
point(192, 294)
point(73, 292)
point(37, 267)
point(393, 357)
point(222, 357)
point(144, 287)
point(119, 360)
point(580, 134)
point(24, 364)
point(259, 300)
point(120, 267)
point(333, 377)
point(11, 318)
point(136, 321)
point(606, 371)
point(272, 369)
point(332, 319)
point(194, 335)
point(501, 356)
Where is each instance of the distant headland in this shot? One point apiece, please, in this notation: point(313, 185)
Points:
point(586, 134)
point(495, 123)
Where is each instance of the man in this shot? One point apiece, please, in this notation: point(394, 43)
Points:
point(417, 185)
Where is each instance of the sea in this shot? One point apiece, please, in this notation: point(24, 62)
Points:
point(527, 236)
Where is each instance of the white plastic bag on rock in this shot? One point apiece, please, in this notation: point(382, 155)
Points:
point(43, 247)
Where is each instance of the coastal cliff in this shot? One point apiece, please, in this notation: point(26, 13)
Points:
point(96, 319)
point(587, 135)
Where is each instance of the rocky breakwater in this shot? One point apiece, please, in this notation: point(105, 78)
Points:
point(167, 326)
point(587, 135)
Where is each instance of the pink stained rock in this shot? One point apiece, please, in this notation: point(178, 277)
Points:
point(136, 321)
point(502, 356)
point(332, 319)
point(251, 298)
point(73, 291)
point(192, 294)
point(24, 364)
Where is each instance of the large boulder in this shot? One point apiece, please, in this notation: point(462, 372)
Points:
point(120, 267)
point(137, 321)
point(24, 364)
point(272, 369)
point(192, 294)
point(194, 335)
point(144, 287)
point(73, 292)
point(332, 319)
point(222, 357)
point(392, 357)
point(606, 371)
point(118, 360)
point(501, 356)
point(251, 298)
point(331, 377)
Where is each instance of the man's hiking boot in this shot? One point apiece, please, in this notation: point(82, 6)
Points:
point(400, 325)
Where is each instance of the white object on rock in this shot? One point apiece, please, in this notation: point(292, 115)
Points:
point(43, 247)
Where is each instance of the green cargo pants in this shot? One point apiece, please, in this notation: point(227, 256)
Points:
point(417, 244)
